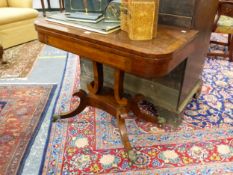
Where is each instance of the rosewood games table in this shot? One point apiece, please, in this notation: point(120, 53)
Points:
point(146, 59)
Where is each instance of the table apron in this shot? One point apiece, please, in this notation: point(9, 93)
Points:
point(127, 62)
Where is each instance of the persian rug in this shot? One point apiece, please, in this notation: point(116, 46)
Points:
point(90, 142)
point(20, 59)
point(22, 109)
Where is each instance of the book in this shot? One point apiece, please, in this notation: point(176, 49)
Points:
point(84, 20)
point(84, 15)
point(99, 27)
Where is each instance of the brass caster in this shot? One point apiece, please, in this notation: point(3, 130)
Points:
point(197, 94)
point(56, 117)
point(132, 156)
point(161, 122)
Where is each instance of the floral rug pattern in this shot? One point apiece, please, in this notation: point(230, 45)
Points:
point(22, 108)
point(203, 143)
point(20, 59)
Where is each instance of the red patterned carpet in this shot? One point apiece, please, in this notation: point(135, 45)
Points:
point(22, 109)
point(202, 144)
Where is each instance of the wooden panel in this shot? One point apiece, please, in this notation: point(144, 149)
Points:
point(172, 46)
point(175, 20)
point(177, 7)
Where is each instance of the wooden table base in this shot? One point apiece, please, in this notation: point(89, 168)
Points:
point(111, 101)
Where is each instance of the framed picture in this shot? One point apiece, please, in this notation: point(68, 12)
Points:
point(86, 5)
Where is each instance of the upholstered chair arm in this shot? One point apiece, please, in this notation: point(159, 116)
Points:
point(20, 3)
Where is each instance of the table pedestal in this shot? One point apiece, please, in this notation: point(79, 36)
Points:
point(111, 100)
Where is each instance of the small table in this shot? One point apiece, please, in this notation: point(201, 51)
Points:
point(147, 59)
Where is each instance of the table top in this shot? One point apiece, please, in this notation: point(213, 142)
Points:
point(171, 46)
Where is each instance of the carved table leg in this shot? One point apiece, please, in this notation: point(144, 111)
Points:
point(96, 85)
point(121, 112)
point(82, 105)
point(85, 100)
point(124, 137)
point(118, 88)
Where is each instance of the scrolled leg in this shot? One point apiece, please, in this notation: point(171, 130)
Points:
point(124, 137)
point(82, 105)
point(119, 88)
point(96, 85)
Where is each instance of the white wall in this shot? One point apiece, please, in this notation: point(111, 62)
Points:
point(53, 3)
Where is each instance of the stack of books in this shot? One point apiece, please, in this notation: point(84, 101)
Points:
point(85, 17)
point(90, 21)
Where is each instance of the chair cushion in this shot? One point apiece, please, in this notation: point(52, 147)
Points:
point(10, 14)
point(225, 25)
point(3, 3)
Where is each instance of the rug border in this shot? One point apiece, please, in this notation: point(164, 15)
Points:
point(35, 62)
point(32, 139)
point(50, 122)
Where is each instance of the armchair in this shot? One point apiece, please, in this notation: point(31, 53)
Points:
point(224, 24)
point(16, 22)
